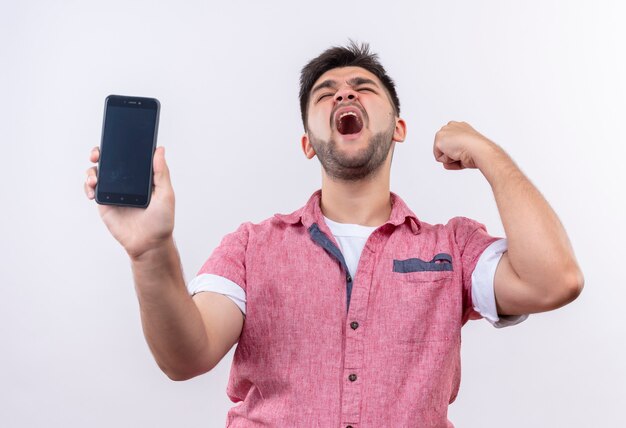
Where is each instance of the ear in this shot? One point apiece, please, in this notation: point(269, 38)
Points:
point(307, 148)
point(399, 134)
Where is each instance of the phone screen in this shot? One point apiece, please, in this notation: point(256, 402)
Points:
point(128, 142)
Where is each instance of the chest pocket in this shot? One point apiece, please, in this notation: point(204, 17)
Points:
point(427, 299)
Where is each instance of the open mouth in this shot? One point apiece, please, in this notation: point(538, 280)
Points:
point(349, 122)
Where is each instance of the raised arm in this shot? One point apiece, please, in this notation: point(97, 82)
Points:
point(539, 271)
point(186, 336)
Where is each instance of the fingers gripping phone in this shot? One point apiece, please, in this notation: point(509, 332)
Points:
point(129, 135)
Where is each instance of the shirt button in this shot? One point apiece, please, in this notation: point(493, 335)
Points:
point(354, 325)
point(352, 377)
point(348, 278)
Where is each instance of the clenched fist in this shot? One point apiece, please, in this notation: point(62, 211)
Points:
point(458, 146)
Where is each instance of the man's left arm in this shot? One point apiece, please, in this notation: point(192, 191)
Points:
point(539, 271)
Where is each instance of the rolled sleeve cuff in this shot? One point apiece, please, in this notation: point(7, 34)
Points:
point(221, 285)
point(483, 286)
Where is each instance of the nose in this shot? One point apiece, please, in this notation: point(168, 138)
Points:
point(345, 94)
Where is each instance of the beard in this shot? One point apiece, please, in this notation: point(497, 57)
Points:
point(363, 164)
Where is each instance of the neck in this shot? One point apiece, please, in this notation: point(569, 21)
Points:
point(365, 202)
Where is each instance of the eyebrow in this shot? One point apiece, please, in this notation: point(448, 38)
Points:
point(355, 81)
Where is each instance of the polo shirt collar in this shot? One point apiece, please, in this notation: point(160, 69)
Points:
point(312, 213)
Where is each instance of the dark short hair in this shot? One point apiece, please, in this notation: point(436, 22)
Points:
point(353, 55)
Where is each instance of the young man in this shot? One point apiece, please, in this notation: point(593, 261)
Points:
point(348, 311)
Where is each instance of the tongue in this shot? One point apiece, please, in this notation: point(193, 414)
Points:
point(349, 125)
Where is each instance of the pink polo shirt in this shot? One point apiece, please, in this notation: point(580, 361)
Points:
point(322, 349)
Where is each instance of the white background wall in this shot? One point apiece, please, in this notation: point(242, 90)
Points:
point(544, 79)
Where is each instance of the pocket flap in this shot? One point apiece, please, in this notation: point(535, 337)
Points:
point(441, 262)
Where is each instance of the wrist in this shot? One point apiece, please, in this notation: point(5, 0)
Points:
point(155, 251)
point(158, 274)
point(491, 160)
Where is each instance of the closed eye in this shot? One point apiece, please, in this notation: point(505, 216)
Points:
point(324, 96)
point(367, 89)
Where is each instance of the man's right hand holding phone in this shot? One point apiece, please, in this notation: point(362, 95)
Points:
point(139, 230)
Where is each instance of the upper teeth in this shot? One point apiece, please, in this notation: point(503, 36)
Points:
point(347, 113)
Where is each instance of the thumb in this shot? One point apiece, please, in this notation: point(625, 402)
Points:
point(161, 171)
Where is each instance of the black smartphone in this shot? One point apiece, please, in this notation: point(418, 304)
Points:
point(129, 135)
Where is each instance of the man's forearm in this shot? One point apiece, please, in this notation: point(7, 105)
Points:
point(538, 247)
point(171, 321)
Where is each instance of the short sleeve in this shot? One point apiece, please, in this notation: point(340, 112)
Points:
point(228, 260)
point(471, 239)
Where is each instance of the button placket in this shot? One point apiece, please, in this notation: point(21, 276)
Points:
point(351, 399)
point(353, 356)
point(354, 345)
